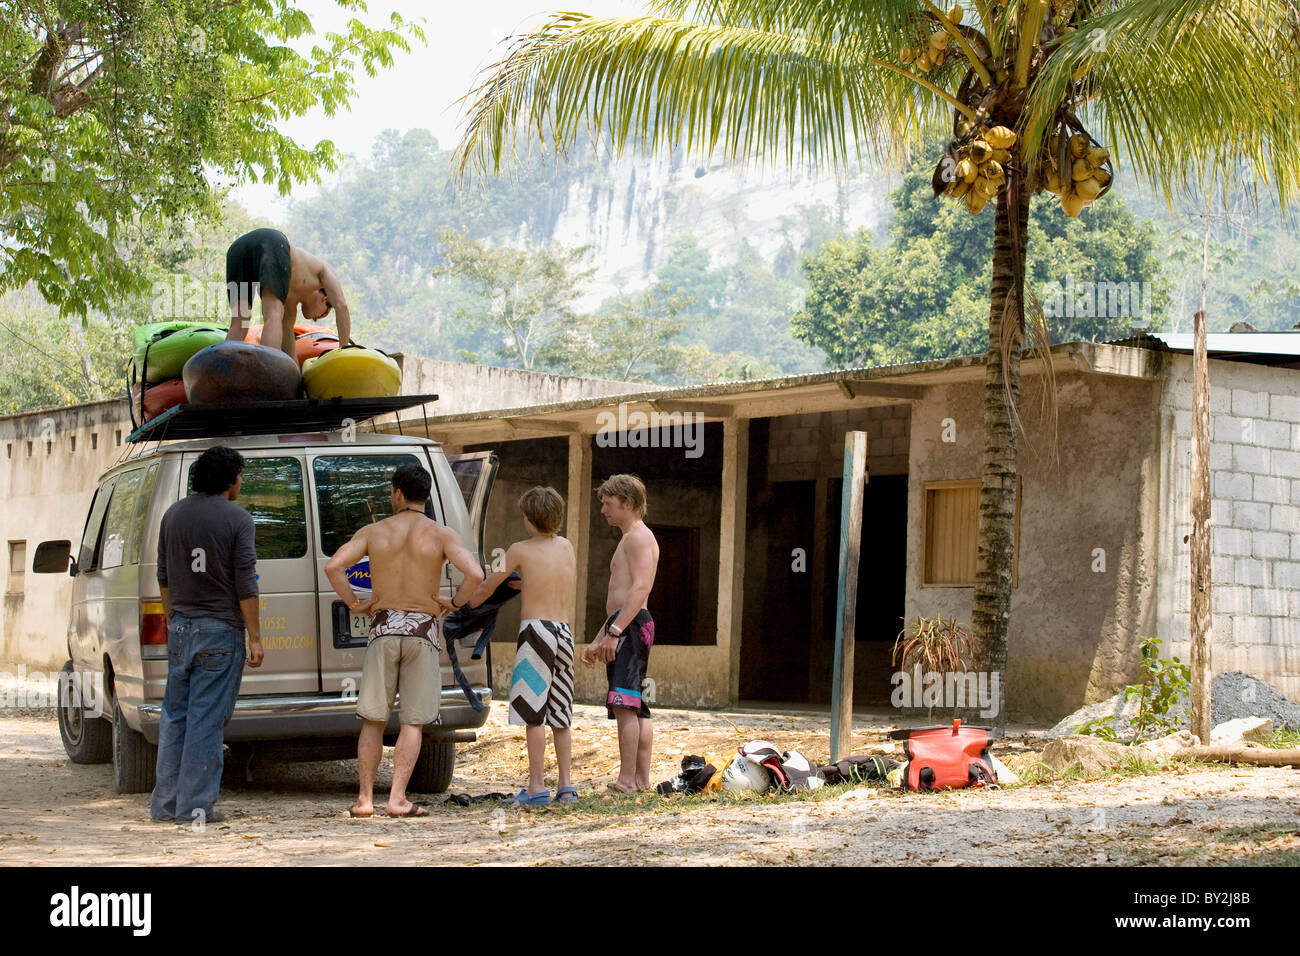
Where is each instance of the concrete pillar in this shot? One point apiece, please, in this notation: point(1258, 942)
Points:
point(731, 547)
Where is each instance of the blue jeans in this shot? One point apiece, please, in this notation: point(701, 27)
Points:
point(205, 660)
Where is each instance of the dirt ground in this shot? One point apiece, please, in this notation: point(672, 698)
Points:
point(52, 811)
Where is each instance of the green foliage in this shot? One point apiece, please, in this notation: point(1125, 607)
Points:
point(1162, 686)
point(113, 115)
point(522, 297)
point(627, 338)
point(1101, 727)
point(925, 296)
point(47, 359)
point(1164, 683)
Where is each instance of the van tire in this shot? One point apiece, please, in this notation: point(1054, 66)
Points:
point(434, 767)
point(86, 739)
point(134, 758)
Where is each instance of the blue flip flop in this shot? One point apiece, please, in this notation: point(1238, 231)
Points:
point(525, 799)
point(566, 795)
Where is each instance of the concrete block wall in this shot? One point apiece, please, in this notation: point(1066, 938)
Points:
point(1255, 519)
point(808, 446)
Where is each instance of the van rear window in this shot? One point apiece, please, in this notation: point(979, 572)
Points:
point(353, 491)
point(272, 493)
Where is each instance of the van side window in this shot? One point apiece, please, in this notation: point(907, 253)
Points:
point(120, 523)
point(272, 493)
point(135, 537)
point(86, 557)
point(352, 491)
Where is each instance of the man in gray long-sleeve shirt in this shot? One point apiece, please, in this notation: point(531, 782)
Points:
point(207, 573)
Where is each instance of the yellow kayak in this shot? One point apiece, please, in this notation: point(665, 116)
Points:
point(352, 372)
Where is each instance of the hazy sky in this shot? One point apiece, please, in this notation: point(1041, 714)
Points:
point(423, 86)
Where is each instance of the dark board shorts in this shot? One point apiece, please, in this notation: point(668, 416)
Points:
point(261, 257)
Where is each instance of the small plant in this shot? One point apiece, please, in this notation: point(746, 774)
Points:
point(1101, 727)
point(935, 646)
point(938, 646)
point(1158, 694)
point(1163, 684)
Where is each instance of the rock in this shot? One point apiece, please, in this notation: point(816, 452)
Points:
point(1257, 729)
point(1164, 746)
point(1092, 754)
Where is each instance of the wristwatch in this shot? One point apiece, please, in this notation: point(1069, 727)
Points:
point(614, 631)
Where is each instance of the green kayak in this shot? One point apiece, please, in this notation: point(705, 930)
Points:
point(170, 345)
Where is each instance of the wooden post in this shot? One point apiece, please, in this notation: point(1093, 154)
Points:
point(1200, 551)
point(855, 476)
point(578, 526)
point(731, 546)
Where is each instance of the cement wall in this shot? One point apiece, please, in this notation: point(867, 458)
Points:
point(462, 387)
point(1254, 516)
point(46, 493)
point(1074, 628)
point(52, 460)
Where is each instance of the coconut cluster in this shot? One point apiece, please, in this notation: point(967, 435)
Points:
point(981, 167)
point(1076, 171)
point(931, 51)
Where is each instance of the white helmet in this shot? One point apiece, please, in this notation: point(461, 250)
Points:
point(741, 775)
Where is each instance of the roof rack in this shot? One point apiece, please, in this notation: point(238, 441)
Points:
point(269, 418)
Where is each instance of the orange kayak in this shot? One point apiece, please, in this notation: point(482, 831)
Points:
point(309, 340)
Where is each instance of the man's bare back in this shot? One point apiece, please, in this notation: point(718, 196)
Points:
point(406, 552)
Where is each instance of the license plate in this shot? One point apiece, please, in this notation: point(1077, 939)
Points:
point(359, 625)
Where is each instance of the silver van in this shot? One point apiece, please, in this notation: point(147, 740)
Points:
point(307, 493)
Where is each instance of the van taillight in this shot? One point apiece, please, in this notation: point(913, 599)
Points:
point(153, 623)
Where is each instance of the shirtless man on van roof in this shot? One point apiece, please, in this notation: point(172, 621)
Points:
point(286, 278)
point(406, 553)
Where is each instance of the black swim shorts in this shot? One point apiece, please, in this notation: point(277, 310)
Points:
point(626, 672)
point(258, 259)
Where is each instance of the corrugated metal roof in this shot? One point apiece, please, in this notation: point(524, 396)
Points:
point(1224, 343)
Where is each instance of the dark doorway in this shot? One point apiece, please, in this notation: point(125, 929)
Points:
point(882, 582)
point(776, 629)
point(672, 599)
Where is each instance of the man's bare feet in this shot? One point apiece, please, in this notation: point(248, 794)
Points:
point(361, 809)
point(618, 786)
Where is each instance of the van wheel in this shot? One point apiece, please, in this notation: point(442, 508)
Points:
point(434, 766)
point(134, 758)
point(86, 738)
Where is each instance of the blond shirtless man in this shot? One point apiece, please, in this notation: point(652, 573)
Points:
point(624, 641)
point(406, 553)
point(287, 279)
point(541, 685)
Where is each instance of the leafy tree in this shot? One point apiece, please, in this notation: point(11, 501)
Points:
point(522, 296)
point(1187, 89)
point(924, 296)
point(47, 359)
point(114, 113)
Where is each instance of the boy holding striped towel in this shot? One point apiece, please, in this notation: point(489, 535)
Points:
point(541, 686)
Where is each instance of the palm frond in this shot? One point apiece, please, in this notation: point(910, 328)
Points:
point(1188, 91)
point(651, 83)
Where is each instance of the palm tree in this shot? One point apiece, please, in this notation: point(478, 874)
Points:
point(1191, 92)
